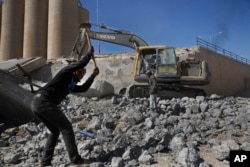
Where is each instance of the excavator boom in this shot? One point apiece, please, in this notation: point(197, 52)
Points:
point(128, 40)
point(119, 37)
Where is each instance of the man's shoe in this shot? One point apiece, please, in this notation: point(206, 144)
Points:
point(78, 161)
point(44, 164)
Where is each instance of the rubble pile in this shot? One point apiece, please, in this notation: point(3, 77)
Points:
point(130, 134)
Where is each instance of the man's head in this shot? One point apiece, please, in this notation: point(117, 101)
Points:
point(79, 74)
point(148, 73)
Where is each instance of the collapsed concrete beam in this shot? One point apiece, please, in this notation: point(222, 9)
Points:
point(15, 103)
point(29, 66)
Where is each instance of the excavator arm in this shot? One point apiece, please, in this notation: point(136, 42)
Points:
point(124, 39)
point(119, 37)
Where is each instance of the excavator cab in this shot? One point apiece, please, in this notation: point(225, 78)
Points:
point(159, 59)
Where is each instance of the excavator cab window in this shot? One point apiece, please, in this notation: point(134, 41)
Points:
point(148, 61)
point(166, 65)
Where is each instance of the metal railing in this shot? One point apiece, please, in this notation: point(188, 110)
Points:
point(217, 49)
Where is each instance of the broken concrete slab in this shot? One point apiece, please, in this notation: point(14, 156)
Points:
point(28, 64)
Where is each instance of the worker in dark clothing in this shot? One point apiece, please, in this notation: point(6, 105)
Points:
point(45, 103)
point(152, 90)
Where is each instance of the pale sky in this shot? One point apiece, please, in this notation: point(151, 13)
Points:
point(176, 23)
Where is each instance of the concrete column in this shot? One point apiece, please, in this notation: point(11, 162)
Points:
point(12, 29)
point(62, 27)
point(247, 83)
point(83, 15)
point(35, 28)
point(0, 26)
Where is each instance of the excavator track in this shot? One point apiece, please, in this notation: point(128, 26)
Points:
point(165, 91)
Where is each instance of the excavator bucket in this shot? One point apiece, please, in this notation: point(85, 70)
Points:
point(82, 41)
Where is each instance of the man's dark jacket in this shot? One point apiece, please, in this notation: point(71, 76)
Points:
point(65, 82)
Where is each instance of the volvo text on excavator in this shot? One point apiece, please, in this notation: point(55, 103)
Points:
point(178, 75)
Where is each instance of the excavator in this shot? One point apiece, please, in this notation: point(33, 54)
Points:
point(175, 75)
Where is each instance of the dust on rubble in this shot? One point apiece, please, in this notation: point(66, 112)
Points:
point(169, 160)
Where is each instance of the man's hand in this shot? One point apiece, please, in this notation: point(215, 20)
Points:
point(95, 71)
point(91, 50)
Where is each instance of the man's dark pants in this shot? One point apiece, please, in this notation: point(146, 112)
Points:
point(56, 122)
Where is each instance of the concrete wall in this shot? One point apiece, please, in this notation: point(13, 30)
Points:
point(247, 83)
point(229, 76)
point(117, 69)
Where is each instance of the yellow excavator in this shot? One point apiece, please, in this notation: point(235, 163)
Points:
point(175, 75)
